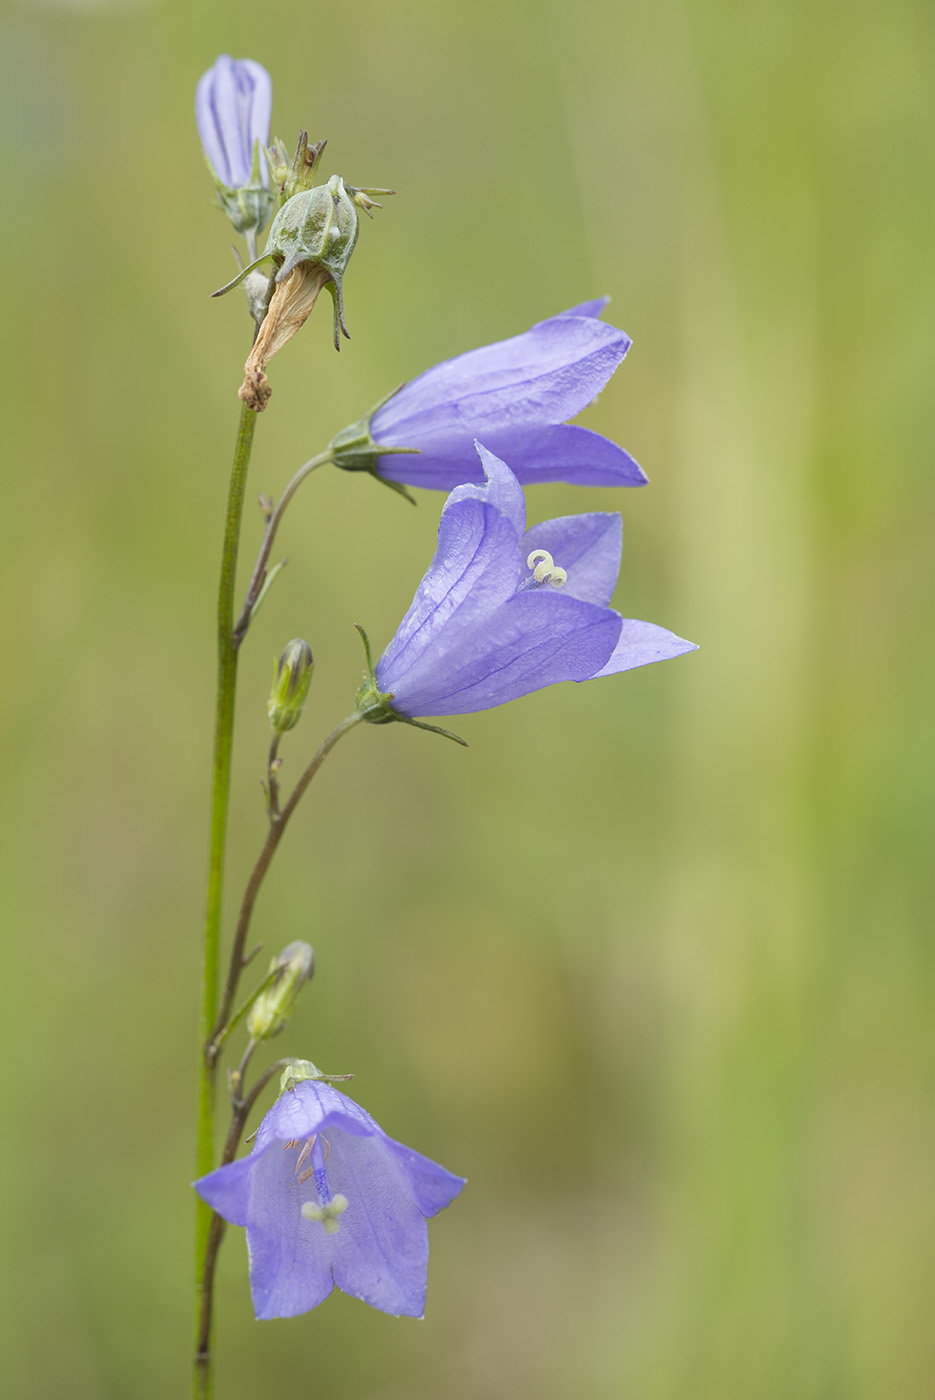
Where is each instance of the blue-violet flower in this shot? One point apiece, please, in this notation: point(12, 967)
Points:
point(501, 612)
point(328, 1199)
point(233, 105)
point(515, 396)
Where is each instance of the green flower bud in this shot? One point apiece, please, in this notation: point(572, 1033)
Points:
point(294, 966)
point(292, 675)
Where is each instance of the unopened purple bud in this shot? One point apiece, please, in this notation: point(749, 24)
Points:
point(233, 104)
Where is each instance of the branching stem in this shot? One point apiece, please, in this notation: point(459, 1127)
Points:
point(258, 577)
point(278, 824)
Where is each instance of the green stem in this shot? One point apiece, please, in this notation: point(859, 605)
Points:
point(278, 824)
point(259, 575)
point(220, 791)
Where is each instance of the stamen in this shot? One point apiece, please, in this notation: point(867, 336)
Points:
point(305, 1154)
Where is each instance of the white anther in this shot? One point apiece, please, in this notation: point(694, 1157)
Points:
point(539, 557)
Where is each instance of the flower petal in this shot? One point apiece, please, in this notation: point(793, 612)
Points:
point(546, 375)
point(536, 639)
point(641, 643)
point(500, 489)
point(233, 105)
point(380, 1253)
point(308, 1108)
point(597, 307)
point(475, 568)
point(557, 452)
point(587, 547)
point(433, 1187)
point(227, 1190)
point(290, 1257)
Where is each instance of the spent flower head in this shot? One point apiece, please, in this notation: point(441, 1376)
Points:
point(329, 1200)
point(310, 244)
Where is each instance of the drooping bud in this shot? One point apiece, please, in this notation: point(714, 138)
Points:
point(292, 675)
point(294, 966)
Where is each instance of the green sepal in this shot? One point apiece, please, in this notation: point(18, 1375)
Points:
point(249, 207)
point(354, 449)
point(373, 704)
point(245, 272)
point(300, 1070)
point(293, 176)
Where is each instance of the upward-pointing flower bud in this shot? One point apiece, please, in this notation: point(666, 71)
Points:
point(294, 966)
point(233, 102)
point(292, 675)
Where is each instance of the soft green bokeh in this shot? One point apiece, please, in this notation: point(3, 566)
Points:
point(648, 962)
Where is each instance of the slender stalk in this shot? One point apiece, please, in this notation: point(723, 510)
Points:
point(220, 792)
point(242, 1109)
point(258, 577)
point(278, 824)
point(273, 765)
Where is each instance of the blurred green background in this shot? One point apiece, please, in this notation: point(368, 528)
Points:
point(648, 961)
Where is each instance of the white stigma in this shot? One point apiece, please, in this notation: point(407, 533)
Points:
point(327, 1215)
point(545, 569)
